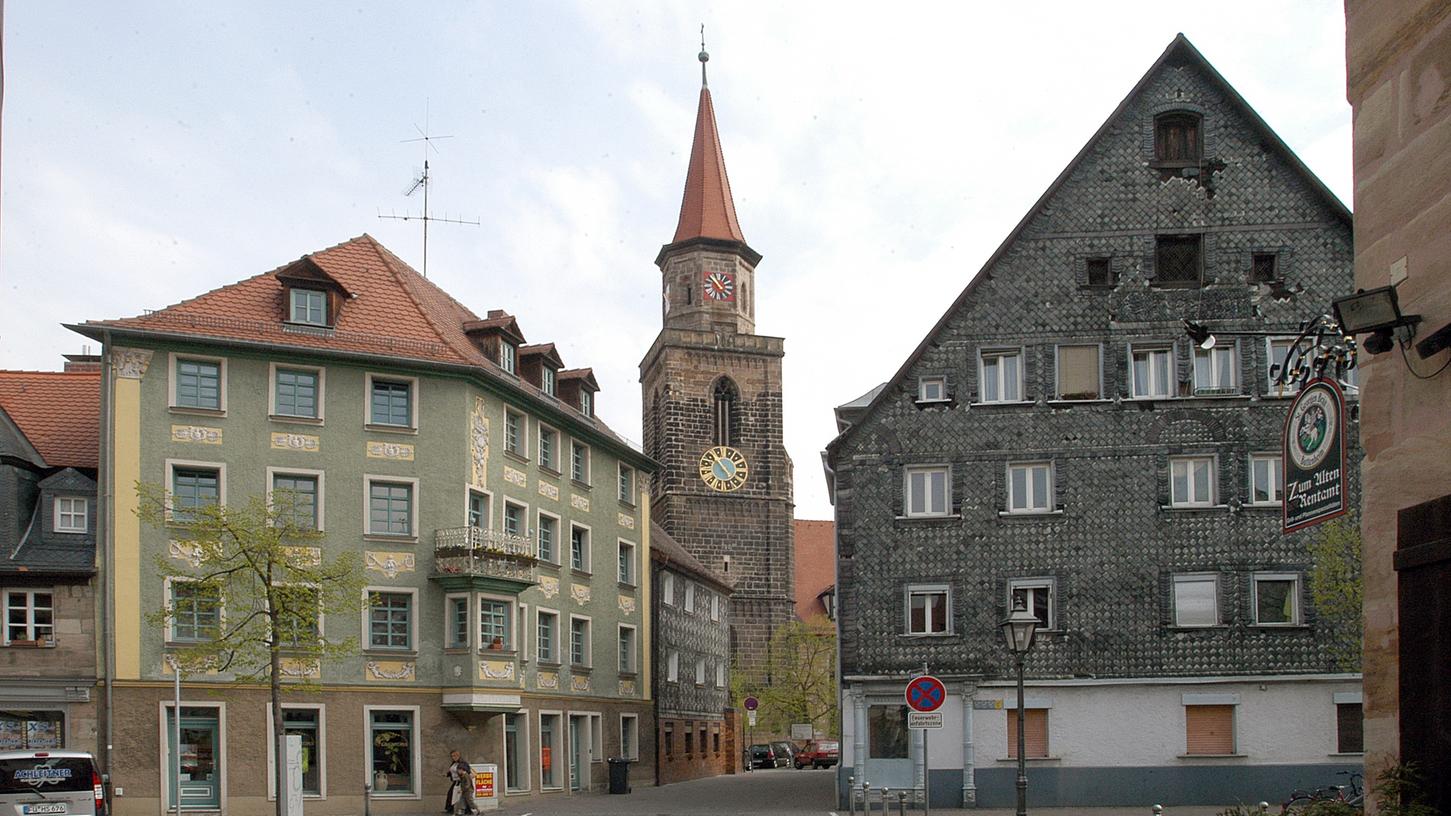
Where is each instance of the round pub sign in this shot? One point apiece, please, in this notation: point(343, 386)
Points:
point(1314, 456)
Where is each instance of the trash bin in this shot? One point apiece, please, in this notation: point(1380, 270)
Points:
point(619, 775)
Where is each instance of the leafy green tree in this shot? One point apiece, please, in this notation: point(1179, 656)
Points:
point(798, 682)
point(1336, 587)
point(249, 586)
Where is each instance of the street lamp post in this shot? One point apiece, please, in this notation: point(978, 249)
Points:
point(1018, 630)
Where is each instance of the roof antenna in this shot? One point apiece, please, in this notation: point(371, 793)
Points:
point(704, 57)
point(421, 183)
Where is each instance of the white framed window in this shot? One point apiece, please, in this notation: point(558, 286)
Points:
point(516, 433)
point(546, 635)
point(194, 611)
point(928, 490)
point(309, 306)
point(388, 619)
point(478, 510)
point(301, 619)
point(932, 389)
point(1265, 478)
point(392, 402)
point(667, 588)
point(700, 672)
point(547, 380)
point(71, 514)
point(579, 548)
point(672, 667)
point(580, 647)
point(194, 485)
point(689, 596)
point(508, 356)
point(514, 518)
point(496, 623)
point(457, 622)
point(1151, 371)
point(1196, 599)
point(579, 461)
point(929, 609)
point(630, 736)
point(1039, 598)
point(1277, 350)
point(1030, 487)
point(720, 674)
point(1276, 600)
point(1078, 375)
point(551, 750)
point(715, 607)
point(296, 392)
point(1216, 371)
point(627, 485)
point(198, 383)
point(30, 615)
point(1192, 482)
point(628, 664)
point(586, 403)
point(626, 559)
point(296, 496)
point(308, 721)
point(1001, 376)
point(392, 751)
point(546, 535)
point(390, 504)
point(516, 753)
point(548, 447)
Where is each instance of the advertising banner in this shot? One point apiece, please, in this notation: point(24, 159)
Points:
point(1313, 456)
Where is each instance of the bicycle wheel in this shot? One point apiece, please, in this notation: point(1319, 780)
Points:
point(1296, 804)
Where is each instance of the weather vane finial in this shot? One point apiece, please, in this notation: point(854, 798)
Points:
point(704, 57)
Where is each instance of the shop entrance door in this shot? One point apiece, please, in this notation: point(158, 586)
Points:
point(201, 778)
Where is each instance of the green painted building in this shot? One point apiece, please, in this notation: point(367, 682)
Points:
point(502, 528)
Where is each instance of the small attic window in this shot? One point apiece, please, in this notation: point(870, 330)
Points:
point(1176, 137)
point(508, 356)
point(307, 306)
point(586, 403)
point(1100, 272)
point(1263, 267)
point(547, 380)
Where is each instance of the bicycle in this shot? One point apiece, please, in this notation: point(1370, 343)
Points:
point(1351, 794)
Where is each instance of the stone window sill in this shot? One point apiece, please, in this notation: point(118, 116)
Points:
point(296, 420)
point(1002, 404)
point(1009, 514)
point(1065, 403)
point(1208, 508)
point(391, 539)
point(549, 471)
point(1213, 756)
point(579, 573)
point(391, 429)
point(578, 485)
point(516, 456)
point(210, 412)
point(924, 402)
point(1048, 760)
point(940, 517)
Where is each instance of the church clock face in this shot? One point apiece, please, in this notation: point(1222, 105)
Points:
point(723, 469)
point(720, 286)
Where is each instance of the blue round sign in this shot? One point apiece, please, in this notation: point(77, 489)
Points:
point(925, 693)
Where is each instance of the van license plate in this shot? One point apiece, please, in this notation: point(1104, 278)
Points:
point(56, 808)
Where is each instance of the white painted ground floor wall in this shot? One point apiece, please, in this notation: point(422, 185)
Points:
point(1110, 742)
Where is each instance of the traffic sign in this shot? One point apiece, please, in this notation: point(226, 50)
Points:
point(925, 693)
point(752, 703)
point(924, 719)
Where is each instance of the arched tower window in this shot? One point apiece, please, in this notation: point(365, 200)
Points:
point(727, 411)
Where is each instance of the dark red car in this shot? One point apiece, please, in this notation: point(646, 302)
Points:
point(819, 754)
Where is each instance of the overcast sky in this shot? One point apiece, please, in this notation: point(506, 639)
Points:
point(152, 151)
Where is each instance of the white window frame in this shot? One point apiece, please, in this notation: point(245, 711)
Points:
point(625, 477)
point(689, 596)
point(560, 766)
point(715, 607)
point(469, 492)
point(523, 450)
point(292, 293)
point(170, 600)
point(1001, 381)
point(720, 674)
point(366, 645)
point(57, 514)
point(509, 357)
point(1038, 582)
point(1049, 502)
point(586, 402)
point(30, 624)
point(700, 672)
point(667, 588)
point(559, 544)
point(588, 455)
point(413, 501)
point(1194, 578)
point(1149, 392)
point(928, 510)
point(554, 654)
point(633, 577)
point(548, 380)
point(1058, 370)
point(1218, 352)
point(587, 565)
point(504, 506)
point(926, 386)
point(633, 667)
point(194, 464)
point(163, 749)
point(588, 641)
point(1276, 474)
point(672, 666)
point(412, 745)
point(552, 463)
point(1296, 581)
point(320, 495)
point(1272, 390)
point(221, 362)
point(525, 748)
point(470, 621)
point(1189, 462)
point(321, 710)
point(321, 613)
point(414, 398)
point(476, 609)
point(320, 371)
point(926, 589)
point(630, 724)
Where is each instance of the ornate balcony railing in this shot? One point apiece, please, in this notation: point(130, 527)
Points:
point(477, 552)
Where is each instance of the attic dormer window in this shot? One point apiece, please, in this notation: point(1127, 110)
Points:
point(546, 380)
point(309, 306)
point(1176, 138)
point(586, 403)
point(508, 357)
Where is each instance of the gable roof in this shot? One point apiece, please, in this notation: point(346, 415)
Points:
point(1180, 50)
point(58, 411)
point(707, 209)
point(670, 553)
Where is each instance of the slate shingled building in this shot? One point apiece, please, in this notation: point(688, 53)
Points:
point(1057, 438)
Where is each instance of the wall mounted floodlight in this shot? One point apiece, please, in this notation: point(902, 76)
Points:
point(1376, 312)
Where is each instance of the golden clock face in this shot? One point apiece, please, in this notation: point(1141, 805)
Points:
point(723, 469)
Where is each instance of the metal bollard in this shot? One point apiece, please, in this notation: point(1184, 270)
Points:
point(367, 799)
point(1157, 809)
point(866, 797)
point(886, 797)
point(902, 803)
point(1264, 807)
point(851, 795)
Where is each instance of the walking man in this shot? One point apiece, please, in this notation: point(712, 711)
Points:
point(462, 775)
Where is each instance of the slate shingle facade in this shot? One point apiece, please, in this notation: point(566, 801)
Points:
point(1110, 543)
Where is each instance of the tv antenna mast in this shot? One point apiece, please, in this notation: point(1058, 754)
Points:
point(422, 183)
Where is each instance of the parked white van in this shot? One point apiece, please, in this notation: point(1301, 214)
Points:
point(50, 783)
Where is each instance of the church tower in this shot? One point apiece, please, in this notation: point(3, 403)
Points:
point(712, 405)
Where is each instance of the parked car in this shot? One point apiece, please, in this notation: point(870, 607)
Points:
point(819, 754)
point(59, 782)
point(762, 756)
point(785, 754)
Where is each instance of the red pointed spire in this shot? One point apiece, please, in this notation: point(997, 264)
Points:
point(707, 210)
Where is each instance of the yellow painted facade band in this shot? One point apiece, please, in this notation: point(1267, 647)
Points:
point(647, 642)
point(126, 571)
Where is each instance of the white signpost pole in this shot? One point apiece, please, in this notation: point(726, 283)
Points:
point(294, 775)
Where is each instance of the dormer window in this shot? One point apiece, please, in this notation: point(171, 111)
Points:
point(508, 357)
point(546, 380)
point(1176, 138)
point(586, 403)
point(309, 306)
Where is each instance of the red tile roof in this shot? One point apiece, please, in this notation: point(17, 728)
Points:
point(815, 565)
point(59, 412)
point(707, 210)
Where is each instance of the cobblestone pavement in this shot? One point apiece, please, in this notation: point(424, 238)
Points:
point(767, 793)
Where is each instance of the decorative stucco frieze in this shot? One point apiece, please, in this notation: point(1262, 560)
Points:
point(391, 564)
point(627, 604)
point(627, 521)
point(547, 490)
point(478, 445)
point(579, 502)
point(549, 586)
point(196, 433)
point(306, 443)
point(130, 363)
point(395, 451)
point(496, 670)
point(390, 670)
point(515, 477)
point(548, 681)
point(580, 593)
